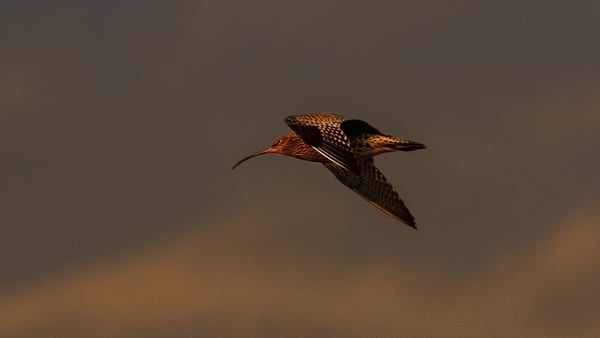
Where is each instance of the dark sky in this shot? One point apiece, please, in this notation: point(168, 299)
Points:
point(120, 215)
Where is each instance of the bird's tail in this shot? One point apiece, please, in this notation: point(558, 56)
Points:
point(401, 144)
point(378, 144)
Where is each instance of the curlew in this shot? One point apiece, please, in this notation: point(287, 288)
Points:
point(346, 147)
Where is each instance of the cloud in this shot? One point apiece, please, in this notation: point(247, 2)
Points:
point(122, 126)
point(208, 283)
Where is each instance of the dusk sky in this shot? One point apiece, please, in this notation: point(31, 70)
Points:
point(121, 216)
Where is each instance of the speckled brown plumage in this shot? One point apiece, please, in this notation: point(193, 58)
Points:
point(290, 145)
point(346, 147)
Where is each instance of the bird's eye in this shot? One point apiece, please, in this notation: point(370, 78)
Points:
point(276, 142)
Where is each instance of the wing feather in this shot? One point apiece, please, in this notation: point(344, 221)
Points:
point(372, 185)
point(323, 133)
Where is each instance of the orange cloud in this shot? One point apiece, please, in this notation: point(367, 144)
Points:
point(206, 283)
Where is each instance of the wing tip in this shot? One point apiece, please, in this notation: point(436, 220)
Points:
point(409, 221)
point(289, 119)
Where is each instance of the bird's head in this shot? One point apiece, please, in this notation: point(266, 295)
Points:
point(283, 145)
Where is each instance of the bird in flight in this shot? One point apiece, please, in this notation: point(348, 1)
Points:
point(346, 147)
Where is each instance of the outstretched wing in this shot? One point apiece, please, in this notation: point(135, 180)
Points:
point(373, 186)
point(323, 133)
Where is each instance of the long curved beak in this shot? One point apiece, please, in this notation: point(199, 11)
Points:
point(258, 153)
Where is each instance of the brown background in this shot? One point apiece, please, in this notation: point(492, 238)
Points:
point(121, 217)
